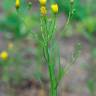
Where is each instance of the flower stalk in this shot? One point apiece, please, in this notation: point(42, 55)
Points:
point(47, 36)
point(49, 46)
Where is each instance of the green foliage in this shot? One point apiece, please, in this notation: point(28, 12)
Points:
point(79, 9)
point(89, 24)
point(93, 53)
point(88, 28)
point(10, 24)
point(12, 72)
point(91, 87)
point(14, 23)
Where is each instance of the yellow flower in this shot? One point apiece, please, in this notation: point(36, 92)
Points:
point(54, 8)
point(43, 10)
point(17, 4)
point(10, 45)
point(43, 2)
point(4, 55)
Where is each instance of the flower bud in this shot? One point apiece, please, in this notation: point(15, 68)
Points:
point(54, 8)
point(43, 2)
point(29, 4)
point(4, 55)
point(17, 4)
point(72, 2)
point(43, 10)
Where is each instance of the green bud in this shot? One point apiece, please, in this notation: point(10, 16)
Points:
point(29, 4)
point(72, 2)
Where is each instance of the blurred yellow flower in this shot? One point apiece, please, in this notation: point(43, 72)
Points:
point(54, 8)
point(4, 55)
point(43, 2)
point(43, 10)
point(10, 45)
point(17, 4)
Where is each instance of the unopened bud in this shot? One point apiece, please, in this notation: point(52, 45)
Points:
point(17, 4)
point(29, 4)
point(72, 2)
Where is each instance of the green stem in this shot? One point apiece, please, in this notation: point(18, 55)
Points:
point(45, 32)
point(53, 89)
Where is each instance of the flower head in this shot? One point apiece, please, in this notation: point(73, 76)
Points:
point(4, 55)
point(43, 2)
point(17, 4)
point(54, 8)
point(43, 10)
point(10, 45)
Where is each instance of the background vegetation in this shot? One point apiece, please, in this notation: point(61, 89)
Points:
point(24, 69)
